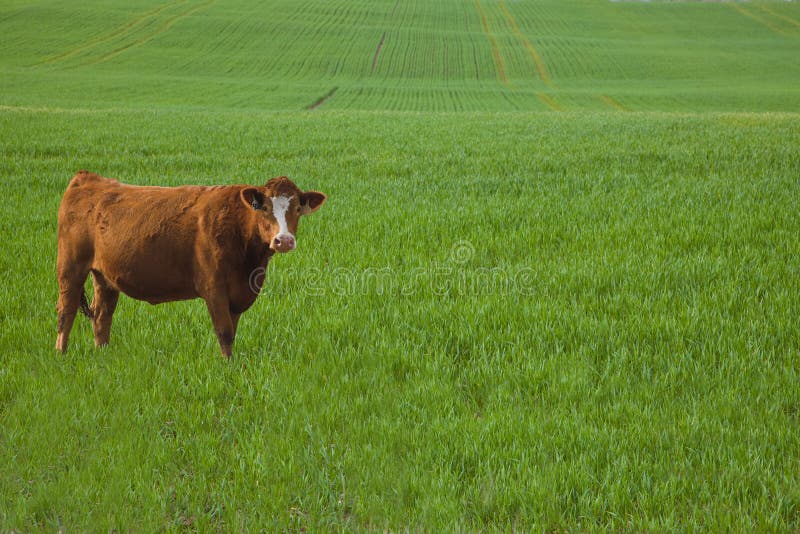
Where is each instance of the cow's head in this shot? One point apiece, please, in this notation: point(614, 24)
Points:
point(279, 205)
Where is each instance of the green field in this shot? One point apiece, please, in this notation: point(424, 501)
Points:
point(410, 55)
point(555, 287)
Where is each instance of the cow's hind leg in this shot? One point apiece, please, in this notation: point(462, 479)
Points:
point(103, 306)
point(70, 284)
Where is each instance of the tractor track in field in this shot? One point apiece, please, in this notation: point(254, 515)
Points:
point(382, 40)
point(321, 100)
point(122, 32)
point(541, 68)
point(613, 103)
point(159, 31)
point(763, 22)
point(499, 63)
point(781, 16)
point(549, 102)
point(377, 53)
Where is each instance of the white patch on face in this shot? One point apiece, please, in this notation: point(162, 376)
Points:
point(280, 205)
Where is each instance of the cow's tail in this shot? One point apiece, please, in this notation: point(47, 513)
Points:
point(86, 309)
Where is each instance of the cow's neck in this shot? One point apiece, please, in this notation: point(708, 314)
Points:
point(257, 253)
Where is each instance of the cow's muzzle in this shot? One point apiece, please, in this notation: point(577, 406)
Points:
point(283, 243)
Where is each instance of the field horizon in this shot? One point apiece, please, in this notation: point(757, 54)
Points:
point(554, 287)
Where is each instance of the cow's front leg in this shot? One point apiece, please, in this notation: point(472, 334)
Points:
point(219, 309)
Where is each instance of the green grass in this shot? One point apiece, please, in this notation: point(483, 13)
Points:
point(529, 320)
point(638, 369)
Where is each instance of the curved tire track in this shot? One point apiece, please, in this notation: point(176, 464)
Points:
point(756, 18)
point(377, 53)
point(383, 39)
point(321, 100)
point(613, 103)
point(122, 32)
point(781, 16)
point(549, 102)
point(499, 63)
point(541, 68)
point(161, 29)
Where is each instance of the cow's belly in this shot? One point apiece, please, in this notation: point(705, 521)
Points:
point(152, 274)
point(155, 295)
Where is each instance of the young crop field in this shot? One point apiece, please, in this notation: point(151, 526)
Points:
point(449, 55)
point(555, 286)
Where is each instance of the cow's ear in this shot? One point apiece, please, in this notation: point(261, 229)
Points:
point(310, 201)
point(253, 198)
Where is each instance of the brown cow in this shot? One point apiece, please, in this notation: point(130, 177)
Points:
point(160, 244)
